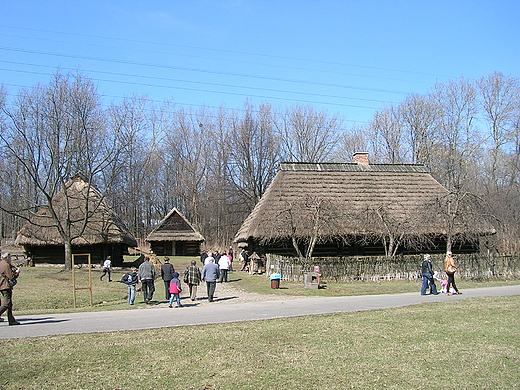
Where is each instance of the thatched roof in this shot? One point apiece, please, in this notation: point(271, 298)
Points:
point(82, 200)
point(174, 227)
point(348, 199)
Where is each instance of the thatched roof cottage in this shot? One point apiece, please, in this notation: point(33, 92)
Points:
point(352, 209)
point(104, 234)
point(175, 236)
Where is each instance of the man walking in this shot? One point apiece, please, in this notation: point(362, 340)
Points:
point(6, 274)
point(427, 274)
point(192, 278)
point(146, 275)
point(167, 271)
point(210, 274)
point(244, 259)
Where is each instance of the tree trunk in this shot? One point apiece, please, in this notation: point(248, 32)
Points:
point(68, 254)
point(297, 249)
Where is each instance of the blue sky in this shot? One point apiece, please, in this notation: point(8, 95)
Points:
point(345, 57)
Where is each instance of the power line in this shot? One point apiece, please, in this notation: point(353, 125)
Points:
point(206, 90)
point(184, 104)
point(277, 65)
point(187, 81)
point(226, 51)
point(202, 70)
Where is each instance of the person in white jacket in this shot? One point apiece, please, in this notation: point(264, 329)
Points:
point(224, 263)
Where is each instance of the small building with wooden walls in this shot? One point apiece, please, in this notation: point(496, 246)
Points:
point(175, 236)
point(95, 228)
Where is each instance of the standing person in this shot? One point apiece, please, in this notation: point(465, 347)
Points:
point(216, 255)
point(244, 257)
point(7, 274)
point(230, 255)
point(208, 258)
point(131, 279)
point(175, 290)
point(192, 278)
point(107, 267)
point(146, 275)
point(427, 274)
point(450, 268)
point(203, 257)
point(223, 264)
point(167, 271)
point(210, 274)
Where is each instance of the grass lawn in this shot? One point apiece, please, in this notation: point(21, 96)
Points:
point(49, 289)
point(461, 344)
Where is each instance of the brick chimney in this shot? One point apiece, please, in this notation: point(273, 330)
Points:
point(361, 158)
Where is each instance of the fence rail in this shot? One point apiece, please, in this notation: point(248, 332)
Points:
point(336, 269)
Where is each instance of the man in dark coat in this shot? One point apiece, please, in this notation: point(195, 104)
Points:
point(7, 273)
point(427, 274)
point(167, 271)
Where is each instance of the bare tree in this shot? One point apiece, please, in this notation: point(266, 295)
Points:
point(56, 132)
point(305, 222)
point(187, 148)
point(419, 115)
point(255, 153)
point(131, 121)
point(353, 140)
point(501, 106)
point(308, 135)
point(457, 135)
point(395, 231)
point(465, 217)
point(388, 136)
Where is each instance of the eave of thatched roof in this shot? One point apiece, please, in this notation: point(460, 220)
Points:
point(103, 225)
point(174, 227)
point(351, 200)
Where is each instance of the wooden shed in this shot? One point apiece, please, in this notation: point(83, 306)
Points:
point(96, 229)
point(175, 236)
point(351, 209)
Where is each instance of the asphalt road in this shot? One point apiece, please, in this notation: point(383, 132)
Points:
point(222, 311)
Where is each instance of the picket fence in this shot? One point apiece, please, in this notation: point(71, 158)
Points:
point(336, 269)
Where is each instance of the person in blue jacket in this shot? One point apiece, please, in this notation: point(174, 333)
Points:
point(210, 274)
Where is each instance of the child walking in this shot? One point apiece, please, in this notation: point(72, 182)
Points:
point(175, 290)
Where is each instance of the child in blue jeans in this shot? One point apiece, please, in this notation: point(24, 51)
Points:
point(175, 290)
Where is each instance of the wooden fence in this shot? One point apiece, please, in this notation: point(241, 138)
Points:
point(475, 266)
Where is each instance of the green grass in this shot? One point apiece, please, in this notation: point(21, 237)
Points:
point(49, 289)
point(460, 344)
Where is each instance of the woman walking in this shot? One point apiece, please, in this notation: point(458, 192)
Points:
point(450, 268)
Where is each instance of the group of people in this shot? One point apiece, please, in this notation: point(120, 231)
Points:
point(223, 260)
point(145, 275)
point(428, 276)
point(211, 274)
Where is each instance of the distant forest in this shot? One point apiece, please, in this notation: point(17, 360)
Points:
point(215, 164)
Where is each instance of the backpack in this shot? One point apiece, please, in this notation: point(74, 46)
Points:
point(127, 278)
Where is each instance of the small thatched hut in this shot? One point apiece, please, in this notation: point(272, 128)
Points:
point(353, 209)
point(95, 228)
point(175, 236)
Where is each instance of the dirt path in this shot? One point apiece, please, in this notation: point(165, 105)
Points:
point(225, 294)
